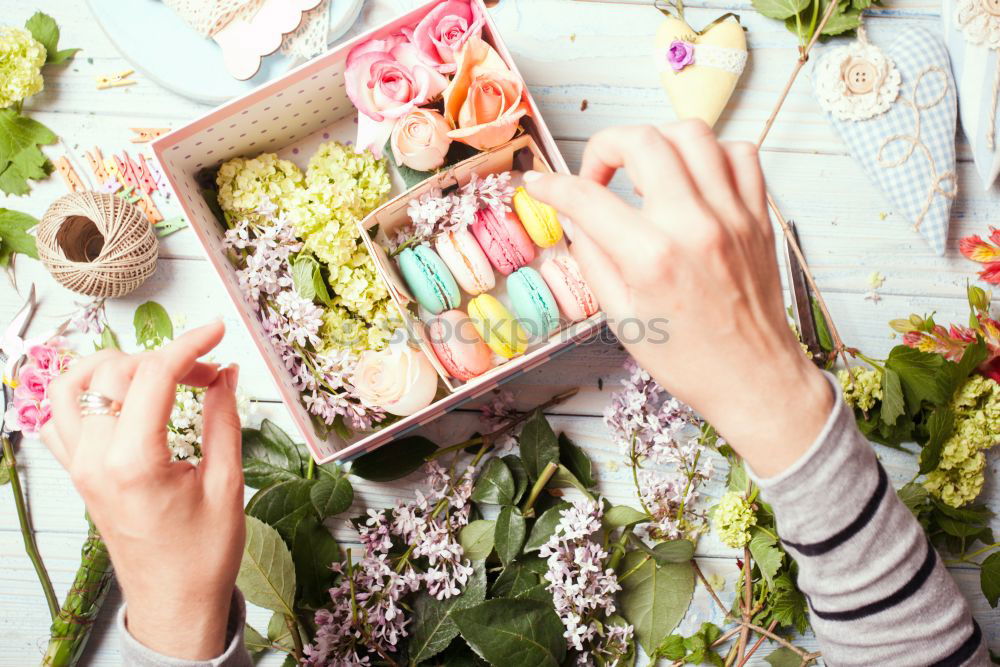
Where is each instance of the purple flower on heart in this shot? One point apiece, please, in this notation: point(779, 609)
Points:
point(680, 54)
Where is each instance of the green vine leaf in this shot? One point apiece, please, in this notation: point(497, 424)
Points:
point(152, 325)
point(940, 426)
point(766, 554)
point(516, 467)
point(330, 497)
point(521, 632)
point(14, 236)
point(544, 526)
point(266, 460)
point(539, 445)
point(576, 461)
point(254, 641)
point(620, 516)
point(267, 575)
point(893, 405)
point(283, 505)
point(495, 484)
point(508, 535)
point(20, 158)
point(654, 598)
point(46, 31)
point(434, 625)
point(989, 578)
point(477, 539)
point(780, 9)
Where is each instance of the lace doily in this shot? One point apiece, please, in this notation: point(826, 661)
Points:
point(207, 17)
point(977, 23)
point(832, 87)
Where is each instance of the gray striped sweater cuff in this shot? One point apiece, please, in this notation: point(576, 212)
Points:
point(878, 592)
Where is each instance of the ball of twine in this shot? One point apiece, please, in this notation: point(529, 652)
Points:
point(97, 244)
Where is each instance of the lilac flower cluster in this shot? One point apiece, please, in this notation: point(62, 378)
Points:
point(434, 213)
point(583, 590)
point(653, 427)
point(367, 613)
point(266, 242)
point(90, 317)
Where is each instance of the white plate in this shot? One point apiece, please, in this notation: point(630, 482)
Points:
point(176, 57)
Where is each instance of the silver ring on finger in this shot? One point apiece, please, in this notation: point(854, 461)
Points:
point(93, 404)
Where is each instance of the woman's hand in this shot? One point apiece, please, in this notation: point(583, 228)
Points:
point(699, 258)
point(175, 531)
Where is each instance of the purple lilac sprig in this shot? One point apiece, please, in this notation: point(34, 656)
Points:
point(583, 587)
point(653, 427)
point(366, 616)
point(265, 243)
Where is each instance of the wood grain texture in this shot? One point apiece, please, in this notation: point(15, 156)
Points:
point(569, 51)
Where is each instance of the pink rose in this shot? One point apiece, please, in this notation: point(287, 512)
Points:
point(680, 54)
point(441, 34)
point(33, 382)
point(46, 358)
point(28, 416)
point(385, 78)
point(420, 139)
point(485, 100)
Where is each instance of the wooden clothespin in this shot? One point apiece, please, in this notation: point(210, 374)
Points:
point(146, 205)
point(147, 181)
point(69, 175)
point(96, 161)
point(146, 134)
point(126, 174)
point(115, 80)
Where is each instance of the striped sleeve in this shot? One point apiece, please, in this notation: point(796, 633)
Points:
point(878, 592)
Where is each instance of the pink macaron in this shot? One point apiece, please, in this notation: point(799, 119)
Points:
point(458, 346)
point(503, 239)
point(563, 277)
point(466, 261)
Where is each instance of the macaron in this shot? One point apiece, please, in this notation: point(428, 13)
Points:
point(503, 239)
point(497, 326)
point(533, 303)
point(563, 277)
point(429, 279)
point(458, 346)
point(539, 220)
point(462, 254)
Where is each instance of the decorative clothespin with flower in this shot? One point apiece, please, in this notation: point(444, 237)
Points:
point(699, 69)
point(896, 109)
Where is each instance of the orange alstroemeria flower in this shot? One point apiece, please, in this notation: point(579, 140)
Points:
point(984, 252)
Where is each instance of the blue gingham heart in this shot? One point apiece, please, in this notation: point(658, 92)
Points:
point(975, 59)
point(896, 109)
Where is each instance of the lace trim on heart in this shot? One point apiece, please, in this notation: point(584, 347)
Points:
point(709, 55)
point(977, 24)
point(833, 93)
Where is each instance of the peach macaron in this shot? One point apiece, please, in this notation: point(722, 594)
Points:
point(458, 345)
point(564, 279)
point(468, 264)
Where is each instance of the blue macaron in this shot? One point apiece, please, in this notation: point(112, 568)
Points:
point(533, 302)
point(429, 279)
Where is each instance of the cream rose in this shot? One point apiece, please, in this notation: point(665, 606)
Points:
point(398, 379)
point(485, 101)
point(420, 139)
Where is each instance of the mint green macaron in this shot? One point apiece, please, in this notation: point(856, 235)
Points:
point(533, 302)
point(429, 279)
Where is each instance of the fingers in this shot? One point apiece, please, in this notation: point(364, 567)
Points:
point(66, 389)
point(111, 379)
point(707, 164)
point(601, 275)
point(221, 435)
point(744, 161)
point(50, 436)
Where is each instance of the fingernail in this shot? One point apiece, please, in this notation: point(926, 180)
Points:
point(530, 176)
point(232, 376)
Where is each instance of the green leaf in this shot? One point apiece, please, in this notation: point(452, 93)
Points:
point(766, 554)
point(516, 466)
point(278, 632)
point(738, 480)
point(267, 575)
point(520, 578)
point(395, 460)
point(780, 9)
point(672, 648)
point(526, 633)
point(539, 445)
point(924, 376)
point(267, 461)
point(844, 19)
point(307, 276)
point(620, 516)
point(109, 340)
point(823, 335)
point(495, 484)
point(14, 236)
point(433, 623)
point(544, 526)
point(4, 473)
point(989, 578)
point(914, 496)
point(576, 461)
point(330, 497)
point(508, 536)
point(283, 505)
point(313, 550)
point(562, 478)
point(783, 657)
point(253, 641)
point(477, 539)
point(44, 29)
point(152, 325)
point(893, 405)
point(940, 426)
point(654, 598)
point(674, 551)
point(20, 158)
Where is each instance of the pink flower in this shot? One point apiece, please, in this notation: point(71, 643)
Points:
point(680, 54)
point(420, 139)
point(33, 382)
point(48, 358)
point(441, 34)
point(28, 416)
point(984, 252)
point(385, 78)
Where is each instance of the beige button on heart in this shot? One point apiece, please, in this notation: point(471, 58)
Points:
point(860, 75)
point(992, 7)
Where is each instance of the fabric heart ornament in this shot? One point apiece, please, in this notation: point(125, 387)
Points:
point(972, 33)
point(896, 109)
point(699, 70)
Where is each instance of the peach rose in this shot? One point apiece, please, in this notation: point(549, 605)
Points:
point(398, 379)
point(441, 34)
point(485, 101)
point(420, 139)
point(385, 78)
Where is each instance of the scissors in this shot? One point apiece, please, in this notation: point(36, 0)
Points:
point(802, 310)
point(12, 353)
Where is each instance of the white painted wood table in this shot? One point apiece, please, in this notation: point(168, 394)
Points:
point(589, 66)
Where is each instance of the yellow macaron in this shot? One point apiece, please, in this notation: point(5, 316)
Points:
point(538, 219)
point(497, 326)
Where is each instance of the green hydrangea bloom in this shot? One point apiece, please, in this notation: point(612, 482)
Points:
point(732, 519)
point(866, 388)
point(960, 474)
point(345, 179)
point(21, 60)
point(245, 183)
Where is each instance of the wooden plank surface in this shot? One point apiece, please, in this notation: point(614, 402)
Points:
point(569, 51)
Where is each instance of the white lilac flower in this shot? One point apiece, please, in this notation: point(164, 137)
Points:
point(90, 317)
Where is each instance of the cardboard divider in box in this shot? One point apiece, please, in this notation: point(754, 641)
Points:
point(291, 116)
